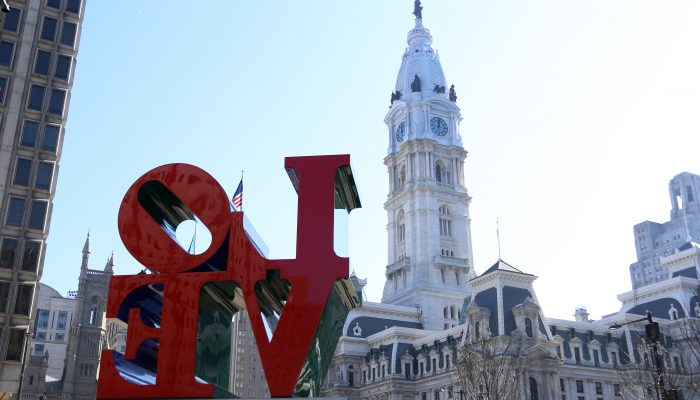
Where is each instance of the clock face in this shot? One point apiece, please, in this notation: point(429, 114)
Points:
point(400, 132)
point(438, 126)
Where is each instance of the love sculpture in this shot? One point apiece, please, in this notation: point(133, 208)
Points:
point(177, 307)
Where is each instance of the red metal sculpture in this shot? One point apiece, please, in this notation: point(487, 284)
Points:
point(150, 211)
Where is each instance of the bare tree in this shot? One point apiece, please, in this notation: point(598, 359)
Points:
point(668, 370)
point(490, 368)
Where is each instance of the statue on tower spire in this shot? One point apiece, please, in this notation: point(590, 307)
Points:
point(417, 9)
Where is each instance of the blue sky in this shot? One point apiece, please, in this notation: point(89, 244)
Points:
point(576, 115)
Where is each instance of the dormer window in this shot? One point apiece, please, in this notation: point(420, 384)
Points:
point(528, 327)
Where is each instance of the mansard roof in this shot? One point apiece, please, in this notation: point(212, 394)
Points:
point(501, 265)
point(689, 245)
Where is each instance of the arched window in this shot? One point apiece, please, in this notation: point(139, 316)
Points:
point(476, 329)
point(528, 327)
point(533, 389)
point(351, 376)
point(400, 226)
point(93, 317)
point(445, 222)
point(442, 173)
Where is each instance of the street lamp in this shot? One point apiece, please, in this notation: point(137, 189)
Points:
point(653, 335)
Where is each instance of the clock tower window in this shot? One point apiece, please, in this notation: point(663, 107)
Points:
point(400, 227)
point(442, 173)
point(445, 222)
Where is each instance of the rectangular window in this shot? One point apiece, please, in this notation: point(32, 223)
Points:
point(68, 33)
point(53, 3)
point(48, 30)
point(41, 335)
point(561, 385)
point(73, 6)
point(42, 319)
point(8, 250)
point(60, 337)
point(38, 349)
point(3, 88)
point(577, 355)
point(579, 386)
point(42, 62)
point(56, 101)
point(11, 22)
point(613, 355)
point(15, 345)
point(15, 212)
point(29, 134)
point(50, 142)
point(44, 175)
point(598, 388)
point(37, 216)
point(63, 67)
point(30, 256)
point(62, 320)
point(4, 293)
point(22, 168)
point(7, 49)
point(24, 299)
point(36, 97)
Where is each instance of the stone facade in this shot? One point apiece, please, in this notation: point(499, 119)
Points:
point(40, 42)
point(86, 334)
point(247, 375)
point(406, 347)
point(429, 236)
point(653, 240)
point(51, 330)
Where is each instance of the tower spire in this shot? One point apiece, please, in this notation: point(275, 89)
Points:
point(109, 267)
point(86, 252)
point(498, 239)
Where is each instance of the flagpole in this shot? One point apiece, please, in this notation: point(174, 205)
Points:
point(241, 198)
point(194, 238)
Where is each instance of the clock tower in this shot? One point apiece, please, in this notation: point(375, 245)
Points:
point(430, 251)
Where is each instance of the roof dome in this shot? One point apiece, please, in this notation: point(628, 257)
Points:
point(421, 60)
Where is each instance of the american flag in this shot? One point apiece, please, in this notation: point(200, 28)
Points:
point(238, 197)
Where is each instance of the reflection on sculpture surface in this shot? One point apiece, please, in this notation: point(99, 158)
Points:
point(177, 315)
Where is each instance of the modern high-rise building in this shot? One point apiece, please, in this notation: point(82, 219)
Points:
point(38, 47)
point(653, 240)
point(247, 375)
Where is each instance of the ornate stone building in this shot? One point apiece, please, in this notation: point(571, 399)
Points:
point(406, 347)
point(83, 334)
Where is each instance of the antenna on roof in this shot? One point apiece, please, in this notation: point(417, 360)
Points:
point(498, 239)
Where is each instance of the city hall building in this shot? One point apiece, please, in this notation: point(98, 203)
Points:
point(407, 346)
